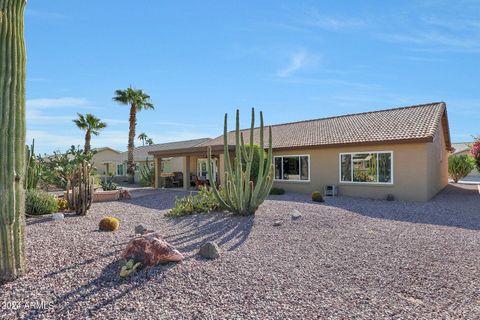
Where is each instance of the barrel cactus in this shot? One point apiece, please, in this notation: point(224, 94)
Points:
point(109, 224)
point(240, 194)
point(12, 139)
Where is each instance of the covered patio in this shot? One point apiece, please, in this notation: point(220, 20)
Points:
point(194, 167)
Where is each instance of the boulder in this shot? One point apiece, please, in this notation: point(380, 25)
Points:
point(296, 215)
point(140, 229)
point(209, 250)
point(58, 216)
point(150, 249)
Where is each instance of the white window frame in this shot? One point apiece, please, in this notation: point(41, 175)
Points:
point(360, 182)
point(300, 167)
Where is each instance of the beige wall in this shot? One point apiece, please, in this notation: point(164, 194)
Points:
point(417, 175)
point(437, 158)
point(104, 156)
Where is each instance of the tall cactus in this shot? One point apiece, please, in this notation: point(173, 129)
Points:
point(33, 169)
point(240, 195)
point(12, 139)
point(81, 188)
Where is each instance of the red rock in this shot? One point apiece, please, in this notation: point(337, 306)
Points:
point(150, 249)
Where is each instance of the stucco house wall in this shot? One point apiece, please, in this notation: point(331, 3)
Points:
point(410, 172)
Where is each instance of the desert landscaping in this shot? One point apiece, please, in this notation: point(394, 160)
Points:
point(344, 258)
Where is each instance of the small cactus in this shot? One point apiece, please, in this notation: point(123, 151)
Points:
point(317, 197)
point(129, 268)
point(109, 224)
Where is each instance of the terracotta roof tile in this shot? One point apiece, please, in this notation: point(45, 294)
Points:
point(418, 122)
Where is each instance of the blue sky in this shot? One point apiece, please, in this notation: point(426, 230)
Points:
point(294, 60)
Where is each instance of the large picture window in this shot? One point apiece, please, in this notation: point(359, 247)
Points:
point(292, 168)
point(366, 167)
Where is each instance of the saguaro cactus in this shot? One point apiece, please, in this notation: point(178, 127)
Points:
point(241, 195)
point(12, 138)
point(81, 188)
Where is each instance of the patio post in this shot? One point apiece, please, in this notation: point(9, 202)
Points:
point(158, 171)
point(186, 172)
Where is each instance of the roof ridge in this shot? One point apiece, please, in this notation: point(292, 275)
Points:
point(348, 115)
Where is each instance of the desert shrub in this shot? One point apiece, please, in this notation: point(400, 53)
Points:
point(62, 204)
point(202, 202)
point(317, 196)
point(109, 224)
point(460, 166)
point(148, 175)
point(108, 184)
point(277, 191)
point(97, 181)
point(255, 161)
point(475, 151)
point(39, 202)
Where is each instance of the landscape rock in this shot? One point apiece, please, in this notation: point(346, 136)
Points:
point(296, 215)
point(58, 216)
point(140, 229)
point(277, 223)
point(209, 250)
point(150, 249)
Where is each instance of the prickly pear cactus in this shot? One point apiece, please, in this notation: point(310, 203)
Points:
point(12, 139)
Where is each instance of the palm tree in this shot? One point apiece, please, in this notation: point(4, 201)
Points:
point(142, 137)
point(150, 141)
point(138, 100)
point(91, 125)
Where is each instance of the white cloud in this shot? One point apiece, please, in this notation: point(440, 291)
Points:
point(57, 102)
point(298, 60)
point(332, 23)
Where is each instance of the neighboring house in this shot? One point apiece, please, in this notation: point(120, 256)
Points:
point(103, 163)
point(110, 162)
point(463, 148)
point(401, 151)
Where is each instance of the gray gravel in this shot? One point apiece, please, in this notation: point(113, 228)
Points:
point(345, 258)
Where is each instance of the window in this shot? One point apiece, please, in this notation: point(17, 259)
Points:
point(292, 168)
point(120, 171)
point(366, 167)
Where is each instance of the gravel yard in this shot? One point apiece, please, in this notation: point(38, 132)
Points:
point(346, 258)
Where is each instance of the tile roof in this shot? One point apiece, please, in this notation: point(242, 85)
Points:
point(141, 153)
point(405, 124)
point(461, 147)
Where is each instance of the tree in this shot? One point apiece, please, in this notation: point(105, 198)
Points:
point(143, 137)
point(138, 100)
point(150, 141)
point(12, 141)
point(91, 125)
point(460, 166)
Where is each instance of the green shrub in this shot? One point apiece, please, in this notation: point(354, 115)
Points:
point(317, 196)
point(148, 175)
point(108, 184)
point(203, 202)
point(39, 202)
point(277, 191)
point(460, 166)
point(255, 161)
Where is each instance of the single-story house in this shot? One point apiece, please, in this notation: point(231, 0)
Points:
point(401, 151)
point(113, 163)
